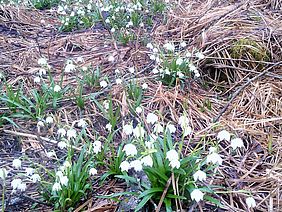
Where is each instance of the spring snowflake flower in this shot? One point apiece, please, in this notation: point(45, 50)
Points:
point(103, 84)
point(57, 88)
point(64, 180)
point(106, 104)
point(29, 171)
point(172, 155)
point(61, 132)
point(192, 67)
point(97, 146)
point(251, 203)
point(183, 121)
point(124, 166)
point(223, 135)
point(136, 165)
point(180, 74)
point(93, 171)
point(15, 183)
point(200, 55)
point(67, 164)
point(117, 71)
point(139, 131)
point(237, 143)
point(39, 125)
point(3, 173)
point(150, 144)
point(56, 187)
point(62, 144)
point(111, 58)
point(130, 149)
point(22, 187)
point(36, 80)
point(113, 30)
point(139, 110)
point(171, 128)
point(42, 62)
point(118, 81)
point(155, 71)
point(51, 154)
point(80, 60)
point(147, 161)
point(149, 46)
point(151, 118)
point(109, 127)
point(199, 175)
point(145, 86)
point(169, 47)
point(71, 133)
point(158, 128)
point(81, 123)
point(152, 57)
point(174, 164)
point(69, 67)
point(197, 195)
point(214, 158)
point(131, 70)
point(183, 44)
point(179, 61)
point(17, 163)
point(127, 129)
point(41, 72)
point(35, 178)
point(212, 149)
point(49, 120)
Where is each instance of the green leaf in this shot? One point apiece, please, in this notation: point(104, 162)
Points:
point(213, 200)
point(143, 202)
point(150, 191)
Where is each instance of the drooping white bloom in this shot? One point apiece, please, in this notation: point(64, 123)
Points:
point(128, 129)
point(103, 84)
point(80, 60)
point(106, 104)
point(171, 128)
point(147, 161)
point(251, 203)
point(40, 124)
point(35, 178)
point(151, 118)
point(93, 171)
point(139, 131)
point(223, 135)
point(59, 174)
point(67, 164)
point(136, 165)
point(200, 55)
point(179, 61)
point(36, 80)
point(214, 158)
point(187, 131)
point(17, 163)
point(64, 180)
point(174, 164)
point(56, 187)
point(145, 86)
point(61, 132)
point(29, 171)
point(188, 54)
point(41, 71)
point(169, 47)
point(82, 123)
point(197, 195)
point(199, 175)
point(15, 183)
point(69, 67)
point(62, 144)
point(97, 146)
point(111, 58)
point(50, 154)
point(22, 186)
point(117, 71)
point(3, 173)
point(71, 133)
point(212, 149)
point(150, 144)
point(130, 149)
point(183, 44)
point(124, 166)
point(109, 127)
point(49, 120)
point(183, 121)
point(42, 62)
point(192, 67)
point(149, 46)
point(237, 143)
point(131, 70)
point(172, 155)
point(57, 88)
point(158, 128)
point(118, 81)
point(139, 109)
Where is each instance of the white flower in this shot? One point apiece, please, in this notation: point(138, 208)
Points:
point(212, 149)
point(139, 109)
point(214, 158)
point(80, 60)
point(155, 50)
point(22, 187)
point(39, 125)
point(172, 155)
point(61, 132)
point(128, 129)
point(179, 61)
point(131, 70)
point(251, 203)
point(152, 57)
point(151, 118)
point(188, 54)
point(174, 164)
point(223, 135)
point(117, 71)
point(180, 74)
point(66, 164)
point(171, 128)
point(17, 163)
point(158, 128)
point(107, 21)
point(118, 81)
point(139, 131)
point(15, 183)
point(145, 86)
point(197, 195)
point(113, 30)
point(183, 44)
point(199, 175)
point(93, 171)
point(57, 88)
point(103, 84)
point(200, 55)
point(237, 142)
point(35, 178)
point(97, 146)
point(41, 72)
point(51, 154)
point(64, 180)
point(136, 164)
point(187, 131)
point(59, 174)
point(130, 149)
point(169, 47)
point(49, 120)
point(36, 80)
point(155, 71)
point(183, 121)
point(3, 173)
point(149, 46)
point(82, 123)
point(150, 144)
point(71, 133)
point(109, 127)
point(192, 67)
point(124, 166)
point(111, 58)
point(147, 161)
point(62, 144)
point(29, 171)
point(69, 67)
point(42, 61)
point(106, 104)
point(56, 187)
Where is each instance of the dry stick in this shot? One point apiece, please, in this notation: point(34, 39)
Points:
point(163, 195)
point(240, 89)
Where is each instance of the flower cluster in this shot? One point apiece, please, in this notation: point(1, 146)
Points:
point(235, 142)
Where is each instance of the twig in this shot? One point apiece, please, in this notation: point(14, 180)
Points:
point(163, 195)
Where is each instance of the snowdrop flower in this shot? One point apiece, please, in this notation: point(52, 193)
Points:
point(183, 44)
point(169, 47)
point(130, 149)
point(103, 84)
point(109, 127)
point(97, 146)
point(57, 88)
point(93, 171)
point(15, 183)
point(42, 61)
point(200, 55)
point(62, 144)
point(214, 158)
point(199, 175)
point(147, 161)
point(251, 203)
point(111, 58)
point(171, 128)
point(179, 61)
point(149, 46)
point(174, 164)
point(29, 171)
point(139, 131)
point(64, 180)
point(237, 142)
point(69, 67)
point(36, 80)
point(61, 132)
point(124, 166)
point(145, 86)
point(172, 155)
point(151, 118)
point(118, 81)
point(17, 163)
point(81, 123)
point(22, 187)
point(138, 109)
point(131, 70)
point(158, 128)
point(71, 133)
point(3, 173)
point(56, 187)
point(136, 165)
point(223, 135)
point(197, 195)
point(128, 129)
point(35, 178)
point(49, 120)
